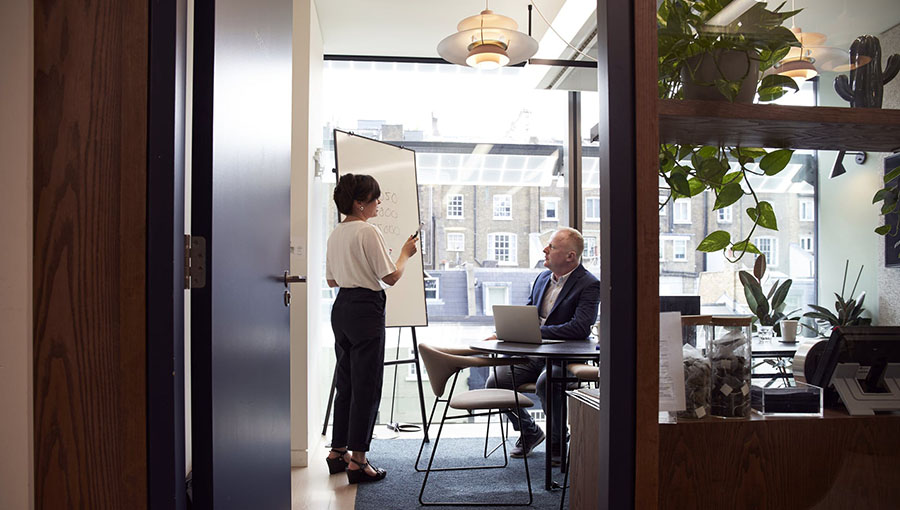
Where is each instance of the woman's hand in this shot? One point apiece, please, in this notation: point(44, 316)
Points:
point(409, 247)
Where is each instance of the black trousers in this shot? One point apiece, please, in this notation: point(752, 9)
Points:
point(357, 319)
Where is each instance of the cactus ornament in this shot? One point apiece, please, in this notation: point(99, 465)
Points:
point(865, 87)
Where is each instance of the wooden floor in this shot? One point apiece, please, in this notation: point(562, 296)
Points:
point(314, 489)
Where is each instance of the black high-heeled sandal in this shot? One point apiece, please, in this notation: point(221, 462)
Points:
point(361, 476)
point(337, 464)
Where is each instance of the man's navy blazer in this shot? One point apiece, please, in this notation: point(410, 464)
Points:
point(575, 310)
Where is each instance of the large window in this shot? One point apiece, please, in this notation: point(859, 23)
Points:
point(456, 241)
point(455, 206)
point(502, 248)
point(806, 243)
point(679, 249)
point(724, 214)
point(502, 207)
point(592, 208)
point(551, 208)
point(495, 293)
point(681, 211)
point(768, 246)
point(807, 209)
point(432, 288)
point(590, 247)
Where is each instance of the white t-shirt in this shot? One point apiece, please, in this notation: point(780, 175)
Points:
point(357, 257)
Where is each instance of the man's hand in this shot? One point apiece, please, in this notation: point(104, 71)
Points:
point(492, 337)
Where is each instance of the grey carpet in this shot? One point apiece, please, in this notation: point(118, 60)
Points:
point(400, 490)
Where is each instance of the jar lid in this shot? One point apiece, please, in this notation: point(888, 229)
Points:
point(696, 320)
point(732, 320)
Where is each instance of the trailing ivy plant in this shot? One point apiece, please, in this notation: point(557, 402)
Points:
point(889, 196)
point(683, 32)
point(689, 170)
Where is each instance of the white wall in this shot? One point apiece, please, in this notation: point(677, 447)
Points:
point(16, 182)
point(306, 136)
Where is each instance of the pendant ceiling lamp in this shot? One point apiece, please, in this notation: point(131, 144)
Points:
point(487, 41)
point(813, 57)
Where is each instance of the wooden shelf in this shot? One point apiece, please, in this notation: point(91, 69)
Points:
point(763, 125)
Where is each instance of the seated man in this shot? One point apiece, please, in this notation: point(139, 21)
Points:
point(567, 297)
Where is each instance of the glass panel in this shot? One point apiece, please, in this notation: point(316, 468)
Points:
point(492, 188)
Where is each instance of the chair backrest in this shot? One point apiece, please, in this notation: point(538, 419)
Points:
point(440, 367)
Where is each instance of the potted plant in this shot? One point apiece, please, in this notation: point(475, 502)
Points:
point(756, 39)
point(847, 312)
point(768, 309)
point(699, 60)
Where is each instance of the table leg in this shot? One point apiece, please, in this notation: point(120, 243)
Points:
point(548, 468)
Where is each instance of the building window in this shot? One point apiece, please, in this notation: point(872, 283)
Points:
point(806, 243)
point(590, 247)
point(681, 211)
point(768, 246)
point(551, 209)
point(502, 207)
point(432, 285)
point(494, 293)
point(807, 209)
point(679, 249)
point(411, 368)
point(502, 248)
point(456, 241)
point(662, 250)
point(663, 204)
point(592, 208)
point(455, 206)
point(725, 215)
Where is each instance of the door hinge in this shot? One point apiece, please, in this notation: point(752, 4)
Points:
point(194, 262)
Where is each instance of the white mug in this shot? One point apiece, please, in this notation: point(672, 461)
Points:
point(789, 330)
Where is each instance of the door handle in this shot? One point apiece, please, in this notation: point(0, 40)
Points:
point(289, 278)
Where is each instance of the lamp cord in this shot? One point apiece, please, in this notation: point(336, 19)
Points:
point(561, 38)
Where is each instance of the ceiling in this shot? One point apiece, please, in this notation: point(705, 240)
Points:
point(413, 28)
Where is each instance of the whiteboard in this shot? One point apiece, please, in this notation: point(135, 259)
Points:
point(398, 215)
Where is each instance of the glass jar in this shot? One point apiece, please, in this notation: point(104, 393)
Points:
point(696, 332)
point(729, 358)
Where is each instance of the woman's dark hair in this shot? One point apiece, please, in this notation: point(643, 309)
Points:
point(355, 187)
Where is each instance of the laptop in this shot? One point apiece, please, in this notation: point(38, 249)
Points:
point(519, 324)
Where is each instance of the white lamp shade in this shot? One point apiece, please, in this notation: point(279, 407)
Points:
point(799, 70)
point(487, 40)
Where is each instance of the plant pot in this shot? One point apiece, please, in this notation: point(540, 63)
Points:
point(732, 65)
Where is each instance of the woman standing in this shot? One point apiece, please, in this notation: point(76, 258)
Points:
point(358, 262)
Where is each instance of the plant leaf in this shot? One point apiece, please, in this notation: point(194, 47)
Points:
point(881, 195)
point(775, 161)
point(893, 174)
point(883, 230)
point(781, 294)
point(766, 215)
point(732, 177)
point(745, 246)
point(730, 194)
point(759, 267)
point(679, 183)
point(715, 241)
point(774, 86)
point(697, 186)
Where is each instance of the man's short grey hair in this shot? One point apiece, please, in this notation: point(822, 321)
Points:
point(575, 239)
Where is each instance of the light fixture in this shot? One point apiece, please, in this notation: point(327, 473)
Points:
point(487, 41)
point(838, 168)
point(813, 57)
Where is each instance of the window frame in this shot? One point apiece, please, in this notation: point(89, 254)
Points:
point(437, 287)
point(456, 235)
point(773, 260)
point(500, 197)
point(544, 209)
point(675, 251)
point(450, 206)
point(513, 248)
point(485, 295)
point(729, 215)
point(812, 246)
point(588, 210)
point(808, 204)
point(676, 219)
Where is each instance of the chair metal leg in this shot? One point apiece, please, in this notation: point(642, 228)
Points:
point(430, 469)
